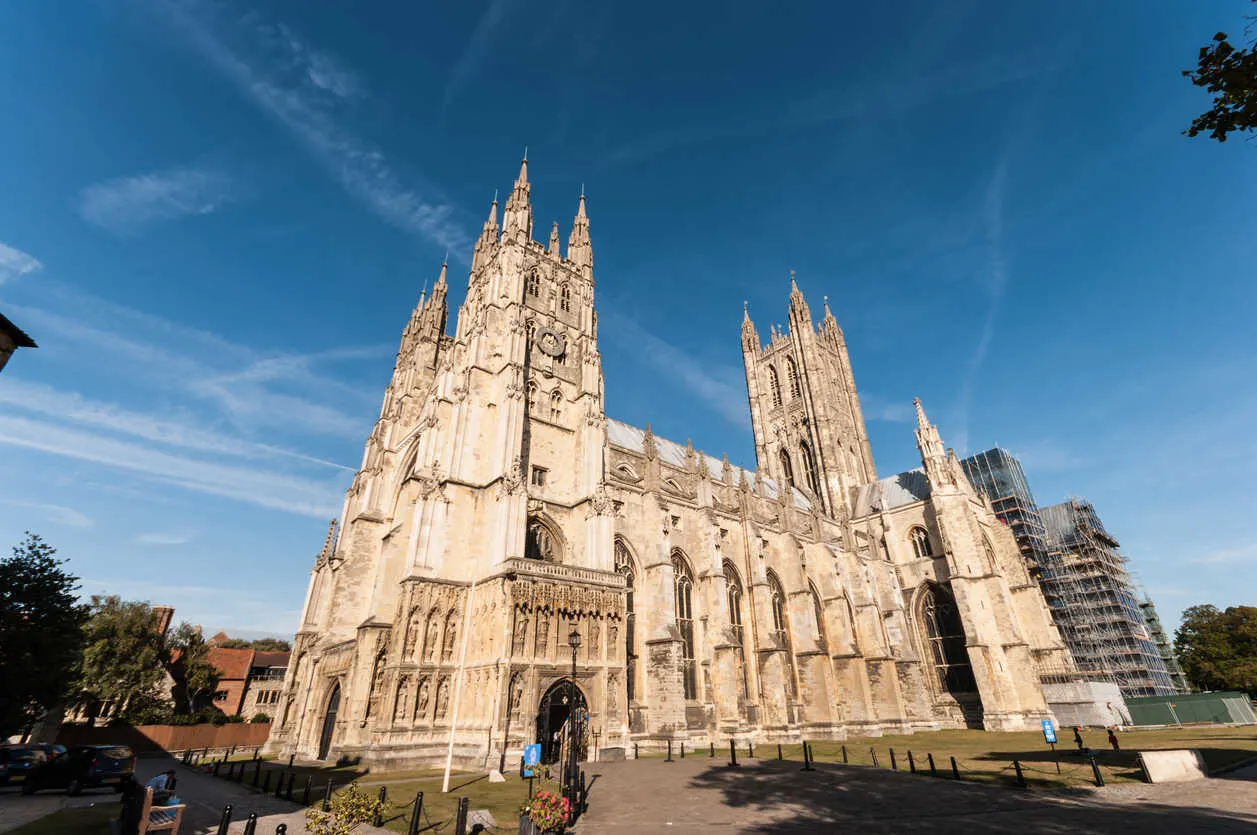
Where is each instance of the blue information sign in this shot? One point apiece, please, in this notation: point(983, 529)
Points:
point(1049, 733)
point(532, 758)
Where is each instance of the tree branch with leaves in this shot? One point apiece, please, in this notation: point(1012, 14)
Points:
point(1229, 73)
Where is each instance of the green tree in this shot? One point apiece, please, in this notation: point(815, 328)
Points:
point(1218, 649)
point(41, 635)
point(195, 678)
point(259, 645)
point(124, 654)
point(1230, 75)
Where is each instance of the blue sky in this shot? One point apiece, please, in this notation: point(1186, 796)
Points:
point(216, 217)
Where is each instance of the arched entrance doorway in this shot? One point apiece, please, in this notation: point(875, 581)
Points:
point(552, 716)
point(329, 721)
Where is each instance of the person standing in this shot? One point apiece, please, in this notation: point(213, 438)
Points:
point(1078, 739)
point(1113, 739)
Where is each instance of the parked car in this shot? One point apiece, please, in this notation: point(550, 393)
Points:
point(83, 767)
point(16, 761)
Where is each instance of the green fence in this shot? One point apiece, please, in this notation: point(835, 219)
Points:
point(1226, 707)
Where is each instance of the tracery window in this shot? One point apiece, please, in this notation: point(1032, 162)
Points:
point(683, 587)
point(809, 468)
point(945, 635)
point(540, 542)
point(624, 566)
point(734, 594)
point(531, 389)
point(565, 298)
point(787, 470)
point(792, 374)
point(556, 404)
point(781, 629)
point(534, 283)
point(920, 542)
point(774, 386)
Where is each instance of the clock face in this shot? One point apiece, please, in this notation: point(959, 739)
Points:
point(550, 341)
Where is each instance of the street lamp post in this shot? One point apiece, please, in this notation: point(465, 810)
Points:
point(573, 724)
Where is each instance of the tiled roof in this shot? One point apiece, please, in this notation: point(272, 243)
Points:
point(892, 491)
point(231, 663)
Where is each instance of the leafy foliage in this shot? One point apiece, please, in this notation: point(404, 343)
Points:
point(259, 645)
point(1230, 74)
point(349, 809)
point(260, 719)
point(1218, 649)
point(40, 633)
point(195, 677)
point(125, 656)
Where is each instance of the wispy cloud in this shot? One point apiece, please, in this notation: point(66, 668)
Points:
point(55, 513)
point(14, 263)
point(129, 205)
point(260, 487)
point(875, 407)
point(1246, 553)
point(482, 37)
point(158, 538)
point(721, 391)
point(305, 91)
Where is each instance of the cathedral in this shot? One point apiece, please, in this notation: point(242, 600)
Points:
point(509, 553)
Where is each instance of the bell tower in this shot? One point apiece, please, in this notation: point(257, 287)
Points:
point(805, 413)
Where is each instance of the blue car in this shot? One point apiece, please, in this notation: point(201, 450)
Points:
point(16, 761)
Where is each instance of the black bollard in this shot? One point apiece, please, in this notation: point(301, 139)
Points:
point(844, 755)
point(955, 769)
point(873, 754)
point(379, 807)
point(713, 749)
point(1021, 778)
point(635, 751)
point(733, 755)
point(225, 820)
point(416, 813)
point(251, 824)
point(231, 752)
point(1095, 769)
point(933, 771)
point(682, 750)
point(217, 765)
point(668, 758)
point(894, 766)
point(750, 748)
point(291, 757)
point(779, 750)
point(256, 752)
point(327, 796)
point(305, 795)
point(807, 756)
point(912, 764)
point(584, 794)
point(460, 824)
point(282, 829)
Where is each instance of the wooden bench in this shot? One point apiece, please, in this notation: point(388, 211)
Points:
point(159, 818)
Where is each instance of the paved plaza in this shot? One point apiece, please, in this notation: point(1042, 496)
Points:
point(767, 796)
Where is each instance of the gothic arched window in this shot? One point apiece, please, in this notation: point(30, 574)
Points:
point(624, 566)
point(734, 594)
point(809, 468)
point(683, 587)
point(990, 554)
point(781, 627)
point(534, 283)
point(565, 298)
point(556, 404)
point(787, 470)
point(792, 374)
point(945, 635)
point(540, 542)
point(531, 388)
point(818, 611)
point(774, 386)
point(920, 542)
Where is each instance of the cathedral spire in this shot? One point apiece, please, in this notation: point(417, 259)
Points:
point(329, 545)
point(579, 248)
point(517, 219)
point(933, 454)
point(750, 338)
point(798, 307)
point(552, 249)
point(488, 235)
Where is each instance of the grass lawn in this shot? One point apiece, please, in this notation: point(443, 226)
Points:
point(988, 756)
point(90, 820)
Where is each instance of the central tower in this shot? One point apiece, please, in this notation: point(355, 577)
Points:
point(805, 411)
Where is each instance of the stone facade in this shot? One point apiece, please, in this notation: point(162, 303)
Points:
point(498, 510)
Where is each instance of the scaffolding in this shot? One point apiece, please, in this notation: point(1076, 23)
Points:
point(1083, 576)
point(1087, 584)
